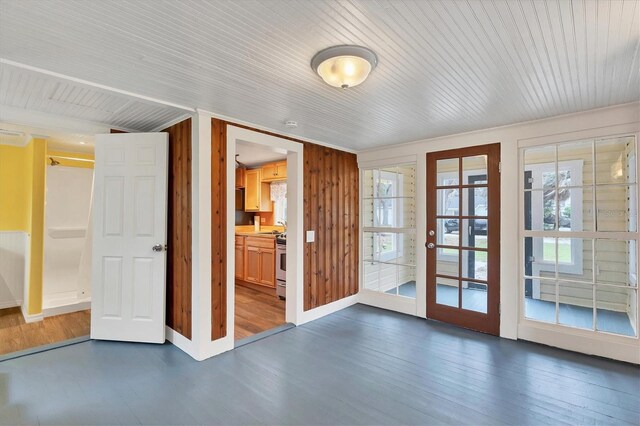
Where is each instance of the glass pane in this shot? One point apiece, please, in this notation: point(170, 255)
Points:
point(371, 277)
point(575, 160)
point(540, 299)
point(540, 257)
point(474, 233)
point(617, 309)
point(615, 160)
point(448, 202)
point(407, 178)
point(388, 212)
point(406, 245)
point(539, 210)
point(474, 169)
point(474, 264)
point(447, 261)
point(407, 281)
point(542, 160)
point(447, 291)
point(616, 262)
point(616, 211)
point(448, 171)
point(386, 247)
point(447, 232)
point(576, 304)
point(475, 201)
point(574, 259)
point(575, 208)
point(367, 184)
point(385, 183)
point(388, 278)
point(367, 212)
point(474, 296)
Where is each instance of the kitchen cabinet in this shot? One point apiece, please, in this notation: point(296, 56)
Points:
point(240, 174)
point(274, 171)
point(240, 257)
point(257, 194)
point(260, 261)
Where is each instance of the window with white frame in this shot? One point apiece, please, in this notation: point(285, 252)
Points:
point(579, 234)
point(388, 232)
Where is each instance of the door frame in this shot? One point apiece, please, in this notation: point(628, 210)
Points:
point(295, 221)
point(448, 314)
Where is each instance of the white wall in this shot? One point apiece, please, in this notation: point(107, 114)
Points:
point(13, 255)
point(68, 202)
point(595, 123)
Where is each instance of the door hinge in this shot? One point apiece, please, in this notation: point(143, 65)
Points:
point(499, 308)
point(500, 167)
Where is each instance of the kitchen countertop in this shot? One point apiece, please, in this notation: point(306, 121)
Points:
point(265, 231)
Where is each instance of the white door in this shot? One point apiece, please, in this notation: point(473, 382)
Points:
point(129, 237)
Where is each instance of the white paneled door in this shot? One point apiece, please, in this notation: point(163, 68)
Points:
point(129, 237)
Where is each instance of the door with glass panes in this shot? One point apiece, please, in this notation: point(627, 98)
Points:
point(463, 237)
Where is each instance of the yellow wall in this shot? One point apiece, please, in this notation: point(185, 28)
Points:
point(38, 183)
point(15, 188)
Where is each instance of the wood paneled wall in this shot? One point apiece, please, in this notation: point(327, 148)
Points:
point(179, 228)
point(331, 209)
point(218, 229)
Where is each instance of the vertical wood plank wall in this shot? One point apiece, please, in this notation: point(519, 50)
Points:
point(218, 229)
point(331, 209)
point(179, 226)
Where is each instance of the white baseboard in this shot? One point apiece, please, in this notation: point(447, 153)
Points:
point(604, 345)
point(31, 318)
point(10, 304)
point(391, 302)
point(180, 341)
point(66, 309)
point(327, 309)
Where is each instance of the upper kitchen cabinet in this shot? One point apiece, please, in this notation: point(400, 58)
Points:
point(240, 173)
point(274, 171)
point(257, 194)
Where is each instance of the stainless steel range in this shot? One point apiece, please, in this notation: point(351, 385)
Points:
point(281, 266)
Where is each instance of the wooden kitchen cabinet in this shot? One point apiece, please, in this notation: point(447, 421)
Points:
point(240, 174)
point(257, 194)
point(240, 257)
point(260, 261)
point(274, 171)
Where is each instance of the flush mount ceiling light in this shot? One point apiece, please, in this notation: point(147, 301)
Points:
point(344, 66)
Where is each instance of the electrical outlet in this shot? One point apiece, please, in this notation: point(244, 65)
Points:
point(311, 236)
point(263, 219)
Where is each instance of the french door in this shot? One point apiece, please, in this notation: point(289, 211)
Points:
point(463, 237)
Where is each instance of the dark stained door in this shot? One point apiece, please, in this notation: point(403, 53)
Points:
point(463, 237)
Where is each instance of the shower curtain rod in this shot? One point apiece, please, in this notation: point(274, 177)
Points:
point(71, 158)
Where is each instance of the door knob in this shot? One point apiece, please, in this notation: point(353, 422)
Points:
point(432, 233)
point(159, 247)
point(430, 245)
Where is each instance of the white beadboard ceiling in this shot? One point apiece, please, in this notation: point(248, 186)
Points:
point(444, 66)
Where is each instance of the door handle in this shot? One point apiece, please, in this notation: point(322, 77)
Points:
point(430, 246)
point(159, 247)
point(432, 233)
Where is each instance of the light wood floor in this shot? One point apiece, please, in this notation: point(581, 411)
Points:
point(257, 310)
point(16, 335)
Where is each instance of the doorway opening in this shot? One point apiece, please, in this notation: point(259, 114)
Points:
point(45, 240)
point(265, 290)
point(260, 238)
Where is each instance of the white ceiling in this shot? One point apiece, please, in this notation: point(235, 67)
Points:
point(251, 154)
point(444, 66)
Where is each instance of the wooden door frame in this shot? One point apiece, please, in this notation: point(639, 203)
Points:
point(489, 322)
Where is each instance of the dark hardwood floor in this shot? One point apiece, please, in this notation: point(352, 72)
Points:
point(257, 309)
point(16, 335)
point(359, 366)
